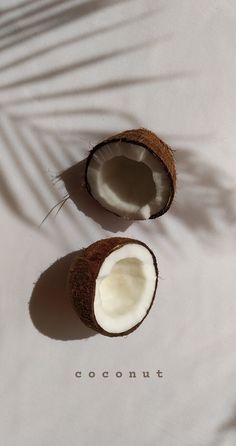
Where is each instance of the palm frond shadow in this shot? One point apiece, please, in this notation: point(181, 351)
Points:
point(10, 200)
point(19, 6)
point(17, 158)
point(37, 9)
point(129, 118)
point(11, 131)
point(203, 200)
point(7, 192)
point(113, 85)
point(80, 38)
point(202, 195)
point(45, 24)
point(54, 73)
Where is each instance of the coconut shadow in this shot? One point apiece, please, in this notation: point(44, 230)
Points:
point(50, 308)
point(229, 424)
point(74, 181)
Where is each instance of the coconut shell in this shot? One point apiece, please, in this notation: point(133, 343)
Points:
point(83, 273)
point(145, 138)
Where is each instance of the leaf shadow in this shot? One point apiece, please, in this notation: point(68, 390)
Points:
point(10, 200)
point(202, 197)
point(204, 200)
point(117, 83)
point(19, 5)
point(50, 309)
point(9, 130)
point(50, 48)
point(51, 22)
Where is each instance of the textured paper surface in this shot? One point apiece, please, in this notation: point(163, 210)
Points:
point(71, 73)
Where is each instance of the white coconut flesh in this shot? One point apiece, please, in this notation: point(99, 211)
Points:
point(129, 180)
point(125, 288)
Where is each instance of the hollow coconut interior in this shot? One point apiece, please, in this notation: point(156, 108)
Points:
point(125, 288)
point(129, 180)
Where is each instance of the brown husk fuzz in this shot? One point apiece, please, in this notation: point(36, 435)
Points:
point(145, 138)
point(83, 273)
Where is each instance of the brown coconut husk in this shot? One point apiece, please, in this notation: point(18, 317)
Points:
point(145, 138)
point(83, 273)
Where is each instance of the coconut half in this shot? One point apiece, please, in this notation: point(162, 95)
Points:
point(112, 285)
point(132, 175)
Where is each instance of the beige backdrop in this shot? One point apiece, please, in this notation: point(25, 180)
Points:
point(72, 72)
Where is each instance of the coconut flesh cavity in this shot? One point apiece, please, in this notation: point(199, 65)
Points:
point(113, 285)
point(132, 175)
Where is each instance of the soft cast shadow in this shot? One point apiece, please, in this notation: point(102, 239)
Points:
point(49, 48)
point(50, 308)
point(208, 195)
point(230, 424)
point(53, 73)
point(226, 431)
point(74, 181)
point(19, 5)
point(9, 197)
point(8, 130)
point(205, 197)
point(40, 26)
point(116, 84)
